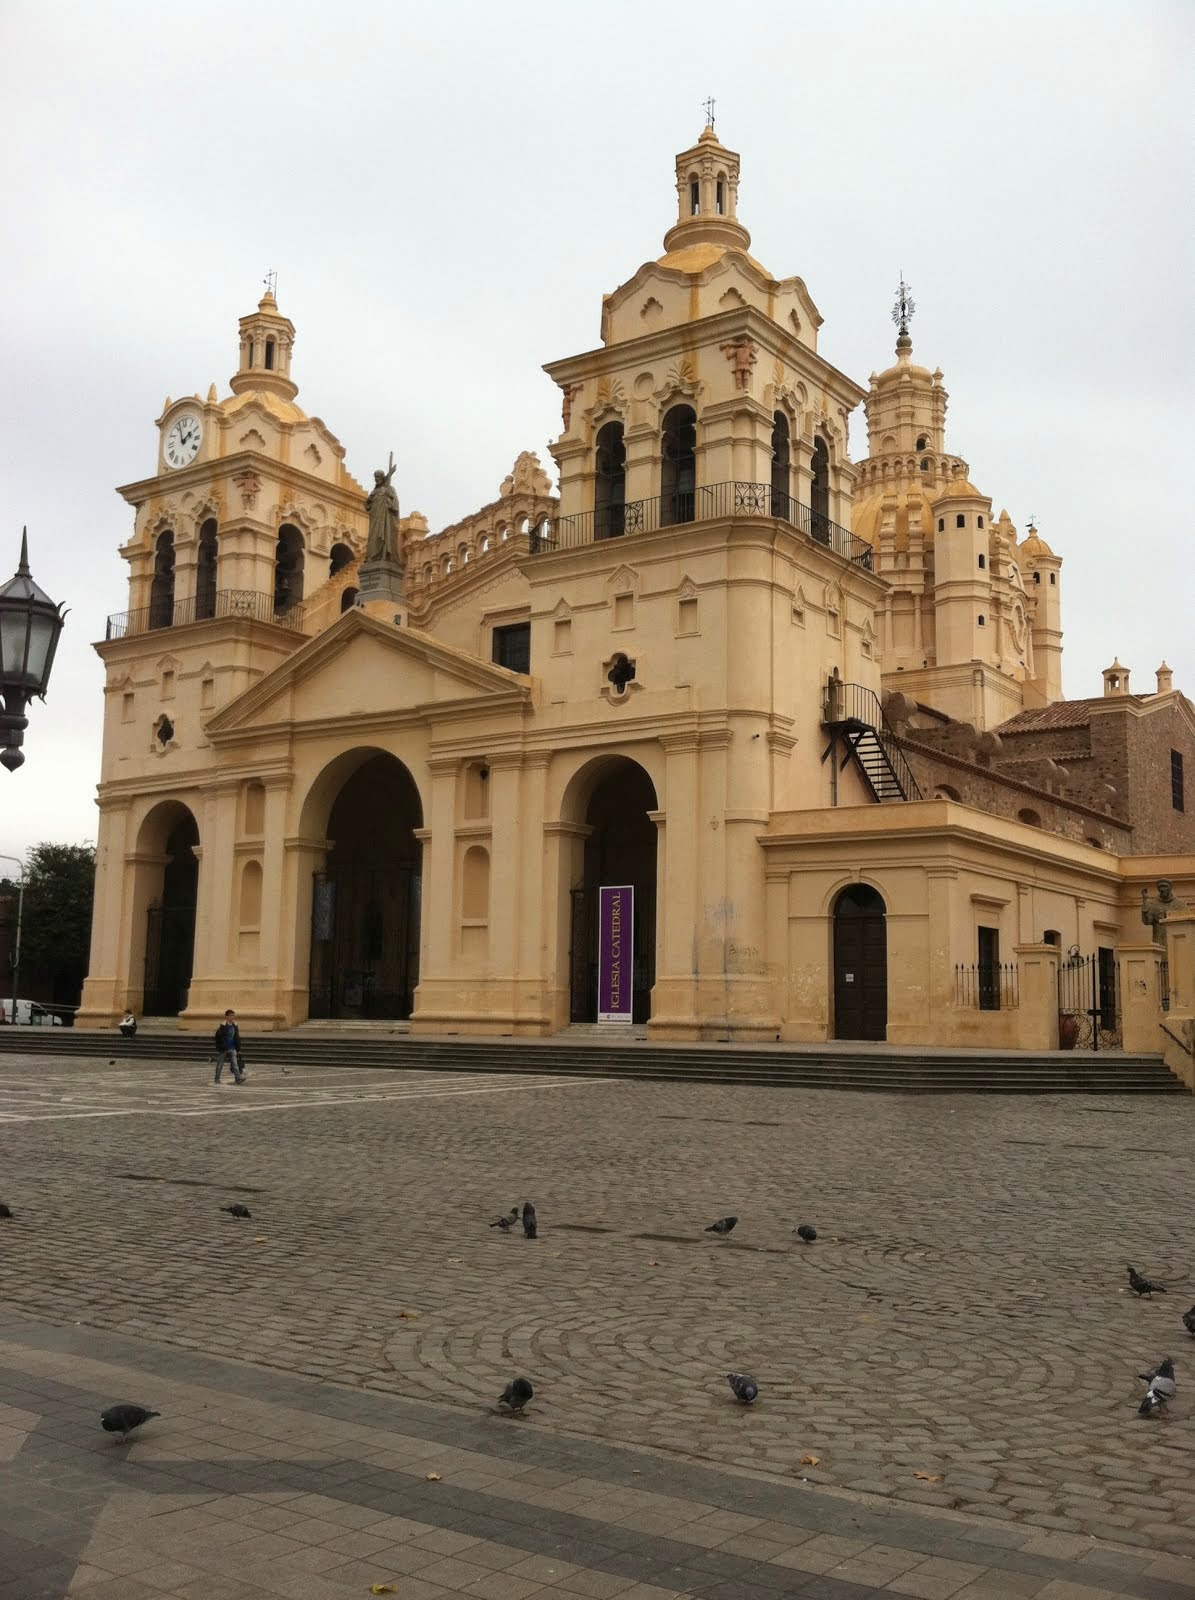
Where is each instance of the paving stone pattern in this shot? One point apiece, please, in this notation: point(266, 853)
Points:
point(962, 1314)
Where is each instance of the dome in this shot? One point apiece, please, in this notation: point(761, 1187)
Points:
point(283, 410)
point(867, 515)
point(1034, 546)
point(960, 489)
point(695, 258)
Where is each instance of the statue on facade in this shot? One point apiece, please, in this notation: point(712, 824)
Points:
point(381, 504)
point(1156, 908)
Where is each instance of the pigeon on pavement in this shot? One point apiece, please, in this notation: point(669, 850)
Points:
point(237, 1210)
point(745, 1388)
point(5, 1211)
point(508, 1221)
point(807, 1232)
point(530, 1226)
point(516, 1395)
point(1161, 1388)
point(1189, 1321)
point(1140, 1285)
point(123, 1418)
point(722, 1226)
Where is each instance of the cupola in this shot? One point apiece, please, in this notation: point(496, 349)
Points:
point(1116, 680)
point(267, 339)
point(707, 195)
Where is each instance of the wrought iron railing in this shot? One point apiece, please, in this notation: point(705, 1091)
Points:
point(706, 503)
point(988, 986)
point(203, 608)
point(853, 706)
point(1089, 1013)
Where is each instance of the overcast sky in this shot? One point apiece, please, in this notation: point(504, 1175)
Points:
point(447, 190)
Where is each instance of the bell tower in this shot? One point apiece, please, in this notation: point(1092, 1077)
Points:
point(707, 195)
point(267, 339)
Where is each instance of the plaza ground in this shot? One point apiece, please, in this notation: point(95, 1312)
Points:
point(956, 1350)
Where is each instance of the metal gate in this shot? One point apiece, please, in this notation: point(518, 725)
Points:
point(1089, 1001)
point(364, 942)
point(169, 953)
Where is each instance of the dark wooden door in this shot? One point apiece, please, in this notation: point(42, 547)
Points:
point(860, 965)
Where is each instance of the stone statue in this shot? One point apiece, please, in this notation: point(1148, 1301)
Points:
point(1154, 911)
point(382, 505)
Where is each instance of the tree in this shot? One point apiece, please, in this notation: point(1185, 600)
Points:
point(56, 926)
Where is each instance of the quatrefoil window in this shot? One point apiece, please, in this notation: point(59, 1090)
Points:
point(621, 672)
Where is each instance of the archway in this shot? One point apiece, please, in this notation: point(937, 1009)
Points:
point(620, 849)
point(860, 964)
point(169, 901)
point(366, 899)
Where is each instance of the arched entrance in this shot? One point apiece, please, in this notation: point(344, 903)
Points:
point(365, 901)
point(170, 915)
point(860, 964)
point(620, 849)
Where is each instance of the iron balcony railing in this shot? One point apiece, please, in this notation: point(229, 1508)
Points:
point(988, 986)
point(707, 503)
point(203, 608)
point(853, 707)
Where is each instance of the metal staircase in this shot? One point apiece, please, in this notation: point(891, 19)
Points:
point(855, 720)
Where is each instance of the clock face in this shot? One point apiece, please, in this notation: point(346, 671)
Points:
point(183, 439)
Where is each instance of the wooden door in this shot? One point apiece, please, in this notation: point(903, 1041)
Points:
point(860, 965)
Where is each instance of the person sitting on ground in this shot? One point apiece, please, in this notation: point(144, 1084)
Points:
point(228, 1047)
point(128, 1026)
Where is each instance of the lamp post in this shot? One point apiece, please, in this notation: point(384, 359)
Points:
point(15, 953)
point(30, 623)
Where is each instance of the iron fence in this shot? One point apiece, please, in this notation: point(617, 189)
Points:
point(1164, 982)
point(706, 503)
point(988, 986)
point(203, 608)
point(1089, 1015)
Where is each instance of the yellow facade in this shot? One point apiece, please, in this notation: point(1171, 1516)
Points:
point(311, 806)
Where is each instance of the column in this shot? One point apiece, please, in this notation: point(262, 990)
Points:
point(1140, 996)
point(436, 1003)
point(1037, 1011)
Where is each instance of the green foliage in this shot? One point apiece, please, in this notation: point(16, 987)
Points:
point(56, 926)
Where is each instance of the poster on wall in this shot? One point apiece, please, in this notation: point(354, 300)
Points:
point(616, 939)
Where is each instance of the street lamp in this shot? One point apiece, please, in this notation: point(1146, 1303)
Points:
point(15, 953)
point(30, 623)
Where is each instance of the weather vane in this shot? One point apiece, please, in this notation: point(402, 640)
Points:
point(709, 111)
point(904, 307)
point(271, 281)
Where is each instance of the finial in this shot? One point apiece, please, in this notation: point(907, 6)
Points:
point(271, 282)
point(23, 563)
point(904, 307)
point(708, 107)
point(1032, 523)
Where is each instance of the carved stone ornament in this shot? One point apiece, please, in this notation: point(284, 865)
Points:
point(568, 393)
point(527, 476)
point(742, 355)
point(249, 485)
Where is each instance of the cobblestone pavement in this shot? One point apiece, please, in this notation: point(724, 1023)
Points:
point(958, 1336)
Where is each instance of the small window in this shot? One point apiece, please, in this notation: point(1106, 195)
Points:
point(1037, 577)
point(922, 442)
point(686, 615)
point(694, 197)
point(269, 355)
point(207, 694)
point(983, 561)
point(348, 599)
point(718, 199)
point(982, 622)
point(941, 524)
point(128, 704)
point(624, 610)
point(167, 685)
point(799, 614)
point(512, 647)
point(925, 466)
point(1053, 578)
point(979, 521)
point(1176, 780)
point(252, 352)
point(960, 521)
point(1031, 818)
point(1051, 936)
point(562, 637)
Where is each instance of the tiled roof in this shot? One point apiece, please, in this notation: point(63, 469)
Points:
point(1062, 714)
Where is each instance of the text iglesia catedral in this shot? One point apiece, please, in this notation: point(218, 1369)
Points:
point(810, 709)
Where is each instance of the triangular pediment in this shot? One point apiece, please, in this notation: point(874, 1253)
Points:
point(364, 667)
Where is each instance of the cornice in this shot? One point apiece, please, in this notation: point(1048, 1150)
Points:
point(200, 475)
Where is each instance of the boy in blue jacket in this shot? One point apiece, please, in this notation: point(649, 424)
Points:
point(228, 1048)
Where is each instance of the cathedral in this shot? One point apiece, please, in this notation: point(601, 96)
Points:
point(728, 737)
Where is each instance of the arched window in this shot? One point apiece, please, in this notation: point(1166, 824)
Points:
point(819, 492)
point(922, 442)
point(1029, 817)
point(475, 884)
point(251, 895)
point(348, 599)
point(982, 562)
point(781, 466)
point(609, 482)
point(339, 557)
point(960, 521)
point(719, 194)
point(288, 568)
point(694, 194)
point(678, 474)
point(205, 571)
point(269, 355)
point(979, 522)
point(485, 544)
point(161, 590)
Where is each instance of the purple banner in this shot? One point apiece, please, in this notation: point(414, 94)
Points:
point(616, 939)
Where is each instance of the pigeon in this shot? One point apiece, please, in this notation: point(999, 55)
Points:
point(516, 1395)
point(1161, 1388)
point(530, 1226)
point(507, 1222)
point(237, 1210)
point(722, 1226)
point(1189, 1321)
point(5, 1211)
point(1140, 1285)
point(807, 1232)
point(745, 1388)
point(123, 1418)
